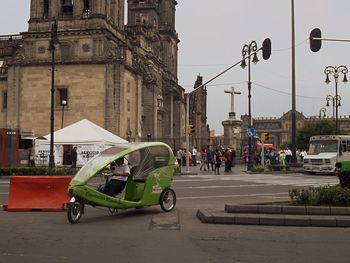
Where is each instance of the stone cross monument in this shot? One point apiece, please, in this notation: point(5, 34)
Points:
point(232, 127)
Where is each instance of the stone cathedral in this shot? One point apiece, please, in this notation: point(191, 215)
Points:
point(120, 76)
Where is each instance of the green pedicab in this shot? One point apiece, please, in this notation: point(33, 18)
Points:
point(151, 174)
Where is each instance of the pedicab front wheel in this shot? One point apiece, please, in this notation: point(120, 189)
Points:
point(167, 200)
point(75, 211)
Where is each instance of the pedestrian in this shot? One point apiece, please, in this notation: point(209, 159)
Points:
point(288, 153)
point(281, 157)
point(73, 157)
point(183, 157)
point(203, 160)
point(227, 159)
point(31, 157)
point(233, 158)
point(302, 154)
point(217, 161)
point(210, 158)
point(179, 158)
point(194, 156)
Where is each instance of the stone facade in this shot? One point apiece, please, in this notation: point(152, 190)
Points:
point(121, 77)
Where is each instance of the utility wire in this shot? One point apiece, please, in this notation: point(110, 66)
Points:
point(286, 93)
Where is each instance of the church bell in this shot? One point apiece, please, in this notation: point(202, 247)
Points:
point(67, 6)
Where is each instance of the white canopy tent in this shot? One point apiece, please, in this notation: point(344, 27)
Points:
point(89, 138)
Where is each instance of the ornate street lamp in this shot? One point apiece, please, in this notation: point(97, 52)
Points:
point(53, 42)
point(335, 101)
point(128, 135)
point(336, 71)
point(247, 51)
point(322, 113)
point(63, 103)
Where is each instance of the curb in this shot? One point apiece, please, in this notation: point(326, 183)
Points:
point(277, 215)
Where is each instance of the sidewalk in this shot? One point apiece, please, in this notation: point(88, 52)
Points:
point(194, 170)
point(277, 215)
point(238, 168)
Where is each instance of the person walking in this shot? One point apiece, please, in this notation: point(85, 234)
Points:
point(194, 156)
point(217, 161)
point(210, 158)
point(179, 158)
point(73, 157)
point(288, 153)
point(203, 160)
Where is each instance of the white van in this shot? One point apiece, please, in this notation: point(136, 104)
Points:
point(325, 151)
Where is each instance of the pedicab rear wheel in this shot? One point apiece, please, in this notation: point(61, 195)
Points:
point(75, 211)
point(167, 200)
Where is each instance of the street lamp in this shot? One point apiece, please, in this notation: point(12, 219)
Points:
point(336, 72)
point(63, 103)
point(322, 113)
point(246, 54)
point(52, 48)
point(128, 135)
point(335, 101)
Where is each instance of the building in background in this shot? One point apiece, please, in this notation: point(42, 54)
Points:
point(198, 115)
point(280, 129)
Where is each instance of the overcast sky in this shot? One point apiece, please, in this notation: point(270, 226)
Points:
point(213, 33)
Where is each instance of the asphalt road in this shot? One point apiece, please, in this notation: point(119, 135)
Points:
point(150, 235)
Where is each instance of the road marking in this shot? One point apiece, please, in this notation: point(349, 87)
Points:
point(225, 196)
point(220, 186)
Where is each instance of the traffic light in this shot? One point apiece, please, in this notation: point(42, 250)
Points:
point(315, 44)
point(191, 129)
point(266, 52)
point(265, 136)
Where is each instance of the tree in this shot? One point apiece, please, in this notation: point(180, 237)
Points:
point(319, 127)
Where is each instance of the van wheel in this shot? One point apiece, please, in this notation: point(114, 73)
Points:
point(75, 211)
point(167, 200)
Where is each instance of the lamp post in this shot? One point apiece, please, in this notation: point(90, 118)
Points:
point(63, 103)
point(322, 113)
point(128, 135)
point(336, 71)
point(52, 48)
point(335, 101)
point(246, 54)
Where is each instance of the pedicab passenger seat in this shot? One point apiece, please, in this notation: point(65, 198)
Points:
point(137, 175)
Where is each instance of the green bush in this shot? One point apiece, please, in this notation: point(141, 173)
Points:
point(257, 168)
point(276, 167)
point(7, 171)
point(344, 178)
point(324, 195)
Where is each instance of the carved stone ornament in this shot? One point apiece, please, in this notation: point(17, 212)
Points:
point(19, 56)
point(41, 50)
point(147, 72)
point(86, 48)
point(112, 52)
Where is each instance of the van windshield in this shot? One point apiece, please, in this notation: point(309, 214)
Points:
point(323, 146)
